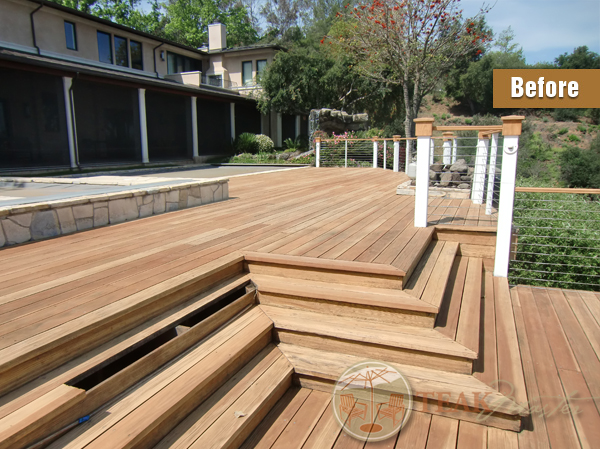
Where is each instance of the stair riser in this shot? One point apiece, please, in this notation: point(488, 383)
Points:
point(74, 345)
point(377, 352)
point(391, 316)
point(498, 420)
point(331, 276)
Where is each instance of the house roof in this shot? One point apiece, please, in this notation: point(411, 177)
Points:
point(248, 47)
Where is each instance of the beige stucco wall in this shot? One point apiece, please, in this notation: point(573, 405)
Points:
point(232, 62)
point(14, 22)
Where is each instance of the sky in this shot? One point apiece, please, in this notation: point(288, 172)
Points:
point(544, 28)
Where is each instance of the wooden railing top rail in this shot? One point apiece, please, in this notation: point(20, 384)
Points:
point(487, 128)
point(556, 190)
point(370, 139)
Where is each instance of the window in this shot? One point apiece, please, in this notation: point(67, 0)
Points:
point(177, 64)
point(136, 55)
point(121, 55)
point(104, 48)
point(261, 65)
point(246, 73)
point(70, 35)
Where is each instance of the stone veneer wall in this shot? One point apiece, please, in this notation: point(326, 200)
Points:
point(37, 221)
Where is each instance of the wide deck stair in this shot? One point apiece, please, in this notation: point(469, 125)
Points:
point(207, 360)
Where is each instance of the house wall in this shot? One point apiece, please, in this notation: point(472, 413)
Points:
point(232, 62)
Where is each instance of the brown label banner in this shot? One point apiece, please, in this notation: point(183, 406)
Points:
point(546, 88)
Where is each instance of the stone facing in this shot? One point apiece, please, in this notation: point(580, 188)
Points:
point(37, 221)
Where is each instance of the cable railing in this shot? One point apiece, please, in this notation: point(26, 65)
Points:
point(556, 238)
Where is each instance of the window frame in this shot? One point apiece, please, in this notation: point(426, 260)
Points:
point(131, 41)
point(114, 41)
point(74, 28)
point(266, 61)
point(251, 73)
point(110, 46)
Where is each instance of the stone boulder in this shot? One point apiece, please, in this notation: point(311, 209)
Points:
point(449, 179)
point(433, 176)
point(437, 167)
point(459, 166)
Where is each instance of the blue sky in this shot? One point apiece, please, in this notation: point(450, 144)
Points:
point(545, 28)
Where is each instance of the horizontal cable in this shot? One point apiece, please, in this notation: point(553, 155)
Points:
point(557, 264)
point(556, 282)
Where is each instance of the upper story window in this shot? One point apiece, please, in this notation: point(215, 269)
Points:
point(177, 64)
point(246, 73)
point(121, 52)
point(70, 35)
point(261, 65)
point(137, 61)
point(104, 48)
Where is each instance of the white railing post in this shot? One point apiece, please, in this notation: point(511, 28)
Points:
point(194, 128)
point(346, 153)
point(67, 83)
point(407, 155)
point(454, 146)
point(384, 154)
point(374, 152)
point(491, 174)
point(318, 152)
point(396, 153)
point(511, 130)
point(143, 126)
point(478, 185)
point(423, 131)
point(447, 148)
point(431, 151)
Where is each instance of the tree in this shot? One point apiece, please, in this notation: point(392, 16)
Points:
point(79, 5)
point(581, 58)
point(282, 15)
point(505, 43)
point(581, 168)
point(411, 43)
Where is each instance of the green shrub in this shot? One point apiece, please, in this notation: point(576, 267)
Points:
point(567, 114)
point(581, 168)
point(545, 120)
point(594, 115)
point(291, 145)
point(563, 131)
point(246, 143)
point(265, 144)
point(582, 129)
point(574, 138)
point(468, 121)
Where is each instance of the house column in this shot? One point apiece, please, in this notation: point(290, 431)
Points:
point(297, 126)
point(279, 142)
point(143, 125)
point(67, 82)
point(232, 120)
point(194, 127)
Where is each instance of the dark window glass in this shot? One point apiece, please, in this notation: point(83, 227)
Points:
point(104, 48)
point(70, 36)
point(177, 64)
point(121, 56)
point(246, 73)
point(136, 55)
point(261, 65)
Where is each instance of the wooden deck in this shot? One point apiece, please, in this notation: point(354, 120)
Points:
point(73, 303)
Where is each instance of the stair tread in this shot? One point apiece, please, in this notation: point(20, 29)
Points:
point(391, 335)
point(469, 319)
point(366, 296)
point(409, 257)
point(331, 365)
point(214, 420)
point(151, 400)
point(436, 287)
point(323, 264)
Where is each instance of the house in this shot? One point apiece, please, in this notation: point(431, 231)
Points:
point(79, 90)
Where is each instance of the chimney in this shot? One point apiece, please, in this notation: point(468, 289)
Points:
point(217, 37)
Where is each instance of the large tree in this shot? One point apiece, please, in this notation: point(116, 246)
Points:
point(411, 43)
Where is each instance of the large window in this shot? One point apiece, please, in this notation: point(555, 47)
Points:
point(261, 65)
point(104, 48)
point(246, 73)
point(177, 64)
point(121, 55)
point(70, 35)
point(136, 55)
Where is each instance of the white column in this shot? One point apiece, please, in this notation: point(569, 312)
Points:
point(279, 142)
point(318, 153)
point(67, 81)
point(194, 127)
point(346, 153)
point(407, 155)
point(143, 126)
point(480, 168)
point(232, 120)
point(374, 154)
point(505, 209)
point(431, 151)
point(422, 181)
point(447, 149)
point(384, 154)
point(491, 174)
point(297, 126)
point(454, 146)
point(396, 155)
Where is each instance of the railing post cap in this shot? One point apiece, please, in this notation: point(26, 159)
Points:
point(374, 139)
point(424, 127)
point(512, 125)
point(317, 139)
point(448, 135)
point(396, 138)
point(484, 135)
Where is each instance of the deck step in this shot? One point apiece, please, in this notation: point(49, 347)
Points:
point(398, 343)
point(410, 256)
point(27, 359)
point(430, 278)
point(325, 270)
point(230, 415)
point(462, 394)
point(352, 301)
point(148, 411)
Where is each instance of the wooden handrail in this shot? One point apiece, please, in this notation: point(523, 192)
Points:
point(556, 190)
point(367, 140)
point(489, 128)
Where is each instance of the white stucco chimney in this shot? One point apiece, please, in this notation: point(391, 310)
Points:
point(217, 36)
